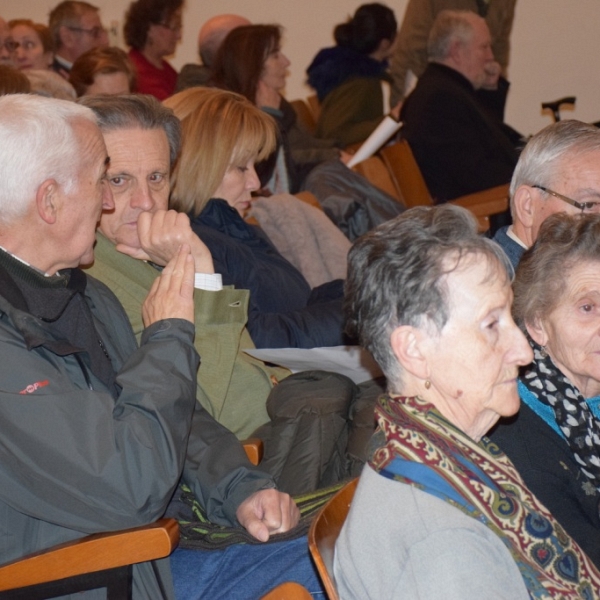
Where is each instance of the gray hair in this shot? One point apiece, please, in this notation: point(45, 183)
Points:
point(136, 111)
point(38, 143)
point(67, 13)
point(541, 159)
point(449, 25)
point(396, 276)
point(564, 241)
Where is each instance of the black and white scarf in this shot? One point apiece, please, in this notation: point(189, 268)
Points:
point(573, 415)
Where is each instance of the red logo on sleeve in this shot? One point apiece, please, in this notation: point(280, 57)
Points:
point(34, 386)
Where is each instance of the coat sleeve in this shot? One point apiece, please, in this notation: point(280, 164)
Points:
point(218, 471)
point(81, 459)
point(320, 323)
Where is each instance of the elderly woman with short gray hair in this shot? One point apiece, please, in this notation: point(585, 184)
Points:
point(555, 440)
point(439, 511)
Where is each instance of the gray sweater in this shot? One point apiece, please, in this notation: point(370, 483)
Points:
point(400, 542)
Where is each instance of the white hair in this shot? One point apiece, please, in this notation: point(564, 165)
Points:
point(37, 143)
point(449, 25)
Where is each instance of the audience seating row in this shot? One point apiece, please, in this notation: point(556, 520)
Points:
point(395, 170)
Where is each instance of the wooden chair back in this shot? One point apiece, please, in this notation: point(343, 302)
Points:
point(324, 532)
point(374, 170)
point(402, 165)
point(254, 448)
point(309, 198)
point(305, 115)
point(407, 177)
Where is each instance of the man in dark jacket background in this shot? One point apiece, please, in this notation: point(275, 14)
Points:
point(459, 140)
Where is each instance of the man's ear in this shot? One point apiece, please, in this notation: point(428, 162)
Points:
point(455, 53)
point(537, 331)
point(523, 206)
point(407, 346)
point(46, 199)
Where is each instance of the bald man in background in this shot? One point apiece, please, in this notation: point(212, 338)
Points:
point(210, 38)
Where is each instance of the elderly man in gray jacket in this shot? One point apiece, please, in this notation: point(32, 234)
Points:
point(97, 432)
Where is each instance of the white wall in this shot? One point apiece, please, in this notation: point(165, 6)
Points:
point(555, 44)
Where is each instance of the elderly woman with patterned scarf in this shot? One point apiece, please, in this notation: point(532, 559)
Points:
point(555, 440)
point(440, 511)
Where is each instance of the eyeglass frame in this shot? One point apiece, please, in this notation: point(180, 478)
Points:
point(95, 32)
point(10, 45)
point(177, 27)
point(582, 206)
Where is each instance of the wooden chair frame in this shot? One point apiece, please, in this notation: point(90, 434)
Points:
point(324, 532)
point(96, 561)
point(410, 183)
point(99, 560)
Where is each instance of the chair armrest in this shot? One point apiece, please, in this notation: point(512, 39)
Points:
point(254, 448)
point(93, 553)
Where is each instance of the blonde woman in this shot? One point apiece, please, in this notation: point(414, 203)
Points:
point(224, 134)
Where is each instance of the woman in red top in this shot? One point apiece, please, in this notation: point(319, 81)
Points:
point(152, 29)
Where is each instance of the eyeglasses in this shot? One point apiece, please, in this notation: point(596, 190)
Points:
point(10, 45)
point(95, 32)
point(175, 26)
point(582, 206)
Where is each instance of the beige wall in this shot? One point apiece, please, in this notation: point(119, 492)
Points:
point(555, 44)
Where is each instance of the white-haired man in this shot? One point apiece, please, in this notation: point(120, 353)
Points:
point(558, 171)
point(460, 144)
point(96, 432)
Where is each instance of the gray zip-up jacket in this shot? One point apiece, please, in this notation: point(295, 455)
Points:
point(75, 460)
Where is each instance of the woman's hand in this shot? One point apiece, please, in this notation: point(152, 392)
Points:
point(172, 293)
point(267, 96)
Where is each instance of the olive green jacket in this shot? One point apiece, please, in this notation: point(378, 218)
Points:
point(232, 386)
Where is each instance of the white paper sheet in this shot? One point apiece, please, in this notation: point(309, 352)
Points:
point(385, 130)
point(352, 361)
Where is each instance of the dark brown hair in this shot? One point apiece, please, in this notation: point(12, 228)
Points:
point(13, 81)
point(143, 13)
point(240, 60)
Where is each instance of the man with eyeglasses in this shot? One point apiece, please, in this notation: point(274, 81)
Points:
point(6, 45)
point(76, 28)
point(558, 171)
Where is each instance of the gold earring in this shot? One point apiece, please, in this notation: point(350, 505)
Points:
point(427, 384)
